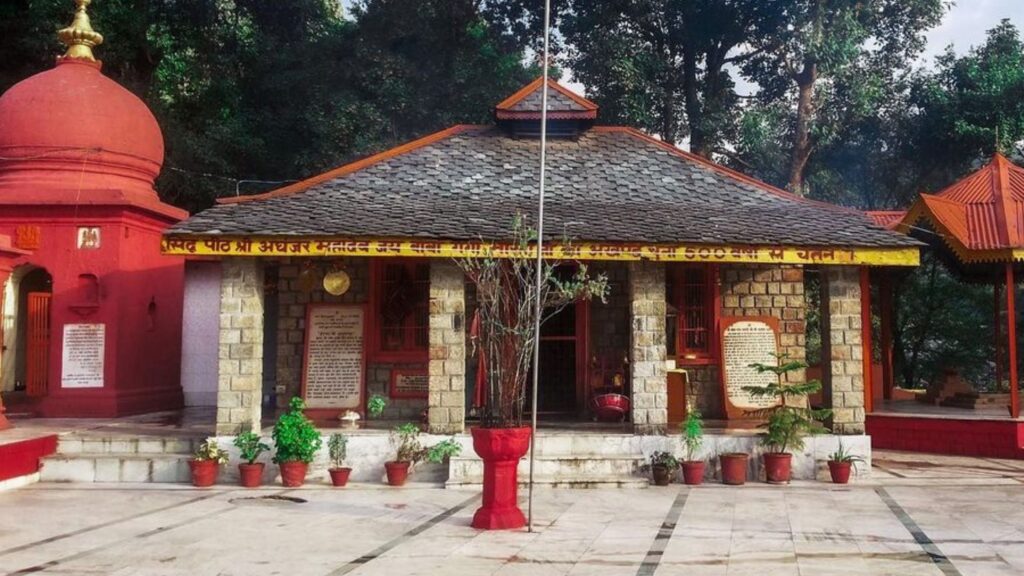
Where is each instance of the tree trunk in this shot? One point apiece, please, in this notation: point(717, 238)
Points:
point(802, 138)
point(698, 140)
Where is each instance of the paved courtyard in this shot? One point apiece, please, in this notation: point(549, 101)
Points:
point(919, 515)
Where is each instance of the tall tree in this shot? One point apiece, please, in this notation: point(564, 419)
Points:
point(818, 42)
point(663, 65)
point(970, 107)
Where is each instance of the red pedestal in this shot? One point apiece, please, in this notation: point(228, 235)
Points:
point(500, 449)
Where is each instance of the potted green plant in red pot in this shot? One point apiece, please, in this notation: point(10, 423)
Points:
point(250, 446)
point(337, 449)
point(789, 420)
point(296, 441)
point(205, 464)
point(693, 439)
point(841, 463)
point(409, 451)
point(514, 292)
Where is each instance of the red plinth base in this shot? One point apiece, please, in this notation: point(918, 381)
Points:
point(500, 449)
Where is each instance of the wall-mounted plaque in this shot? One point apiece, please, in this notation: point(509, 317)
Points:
point(746, 341)
point(409, 383)
point(333, 366)
point(82, 356)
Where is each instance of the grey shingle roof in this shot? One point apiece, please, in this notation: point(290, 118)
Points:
point(557, 102)
point(605, 186)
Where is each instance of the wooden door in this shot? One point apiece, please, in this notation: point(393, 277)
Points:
point(37, 355)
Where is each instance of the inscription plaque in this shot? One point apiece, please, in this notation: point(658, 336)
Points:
point(746, 341)
point(332, 372)
point(409, 383)
point(82, 356)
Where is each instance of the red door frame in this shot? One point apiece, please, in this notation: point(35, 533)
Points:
point(581, 338)
point(37, 349)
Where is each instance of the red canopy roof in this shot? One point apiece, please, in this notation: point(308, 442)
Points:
point(981, 216)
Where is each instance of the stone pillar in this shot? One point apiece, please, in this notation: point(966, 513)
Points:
point(842, 350)
point(240, 356)
point(648, 379)
point(447, 365)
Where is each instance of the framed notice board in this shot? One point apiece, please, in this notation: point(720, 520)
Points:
point(409, 383)
point(746, 341)
point(334, 356)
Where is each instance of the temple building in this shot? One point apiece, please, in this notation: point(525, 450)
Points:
point(343, 286)
point(91, 312)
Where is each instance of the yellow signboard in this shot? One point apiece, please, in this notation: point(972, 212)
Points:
point(300, 247)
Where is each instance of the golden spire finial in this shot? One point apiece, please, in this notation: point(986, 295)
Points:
point(79, 37)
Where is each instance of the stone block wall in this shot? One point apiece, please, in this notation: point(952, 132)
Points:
point(609, 320)
point(842, 349)
point(240, 352)
point(291, 333)
point(755, 290)
point(648, 379)
point(447, 365)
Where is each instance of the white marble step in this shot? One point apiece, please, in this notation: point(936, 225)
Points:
point(107, 467)
point(117, 445)
point(578, 470)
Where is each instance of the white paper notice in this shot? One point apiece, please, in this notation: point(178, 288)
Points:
point(82, 356)
point(334, 357)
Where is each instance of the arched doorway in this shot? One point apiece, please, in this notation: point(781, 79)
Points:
point(26, 334)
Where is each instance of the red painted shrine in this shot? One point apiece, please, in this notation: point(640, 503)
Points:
point(977, 226)
point(91, 310)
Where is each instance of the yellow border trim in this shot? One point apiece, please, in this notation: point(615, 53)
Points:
point(310, 246)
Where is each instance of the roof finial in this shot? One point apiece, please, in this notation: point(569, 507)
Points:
point(79, 37)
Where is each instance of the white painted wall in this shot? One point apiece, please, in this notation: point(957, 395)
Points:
point(200, 333)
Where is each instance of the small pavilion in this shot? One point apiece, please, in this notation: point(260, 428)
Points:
point(976, 226)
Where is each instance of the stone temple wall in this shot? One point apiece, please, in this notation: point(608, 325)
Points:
point(291, 326)
point(755, 290)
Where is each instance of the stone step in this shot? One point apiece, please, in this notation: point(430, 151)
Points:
point(585, 482)
point(564, 469)
point(126, 445)
point(107, 467)
point(587, 443)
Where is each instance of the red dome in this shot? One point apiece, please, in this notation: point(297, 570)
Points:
point(71, 134)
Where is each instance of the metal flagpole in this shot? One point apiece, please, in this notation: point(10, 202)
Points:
point(537, 308)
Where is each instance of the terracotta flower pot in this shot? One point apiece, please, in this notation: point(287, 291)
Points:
point(662, 475)
point(293, 474)
point(777, 467)
point(339, 476)
point(500, 449)
point(250, 475)
point(693, 472)
point(204, 472)
point(840, 471)
point(398, 472)
point(734, 468)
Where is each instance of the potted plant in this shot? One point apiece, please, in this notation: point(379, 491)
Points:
point(205, 464)
point(296, 441)
point(375, 405)
point(840, 463)
point(509, 301)
point(693, 439)
point(250, 446)
point(663, 468)
point(789, 420)
point(734, 468)
point(337, 448)
point(409, 450)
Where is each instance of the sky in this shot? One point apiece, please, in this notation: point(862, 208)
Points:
point(965, 25)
